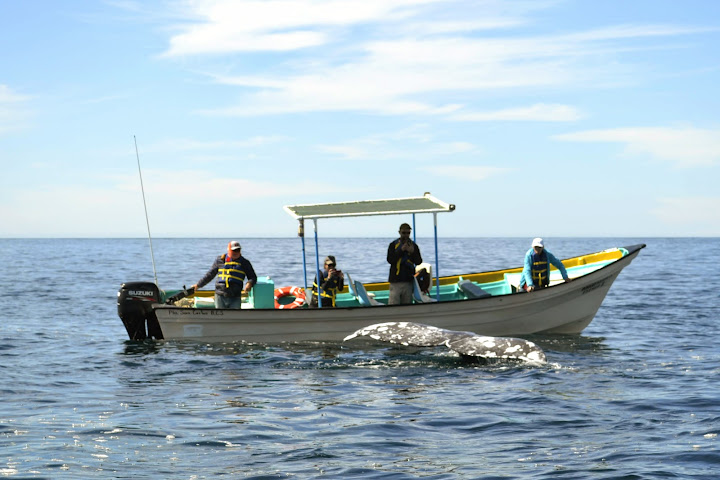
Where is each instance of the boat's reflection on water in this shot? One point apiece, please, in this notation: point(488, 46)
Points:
point(333, 354)
point(148, 347)
point(142, 347)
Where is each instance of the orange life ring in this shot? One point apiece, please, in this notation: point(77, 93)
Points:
point(296, 292)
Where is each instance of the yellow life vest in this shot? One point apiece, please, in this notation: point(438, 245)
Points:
point(540, 271)
point(231, 273)
point(329, 293)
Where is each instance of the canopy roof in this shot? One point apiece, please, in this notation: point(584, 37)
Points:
point(395, 206)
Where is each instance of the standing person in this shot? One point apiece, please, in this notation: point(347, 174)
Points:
point(232, 269)
point(536, 272)
point(403, 254)
point(331, 282)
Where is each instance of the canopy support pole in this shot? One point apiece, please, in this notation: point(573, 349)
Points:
point(317, 265)
point(413, 229)
point(301, 234)
point(437, 260)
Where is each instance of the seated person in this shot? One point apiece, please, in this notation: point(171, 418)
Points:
point(331, 281)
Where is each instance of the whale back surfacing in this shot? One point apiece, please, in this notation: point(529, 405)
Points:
point(465, 343)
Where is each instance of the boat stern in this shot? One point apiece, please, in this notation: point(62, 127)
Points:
point(135, 308)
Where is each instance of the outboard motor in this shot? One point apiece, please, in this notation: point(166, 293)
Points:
point(135, 300)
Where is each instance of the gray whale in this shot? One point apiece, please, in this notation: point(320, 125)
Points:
point(464, 343)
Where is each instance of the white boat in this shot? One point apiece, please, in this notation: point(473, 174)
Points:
point(486, 303)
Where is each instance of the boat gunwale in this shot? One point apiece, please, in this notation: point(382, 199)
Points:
point(632, 252)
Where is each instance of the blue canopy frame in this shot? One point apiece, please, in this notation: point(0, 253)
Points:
point(396, 206)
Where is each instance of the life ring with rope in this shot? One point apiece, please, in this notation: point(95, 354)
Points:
point(297, 292)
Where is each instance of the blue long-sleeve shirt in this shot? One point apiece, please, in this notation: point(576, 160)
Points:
point(527, 268)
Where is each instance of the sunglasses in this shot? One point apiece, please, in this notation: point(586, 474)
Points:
point(329, 264)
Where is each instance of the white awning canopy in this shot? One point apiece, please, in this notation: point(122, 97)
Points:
point(395, 206)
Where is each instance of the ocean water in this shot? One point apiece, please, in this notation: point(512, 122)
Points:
point(636, 396)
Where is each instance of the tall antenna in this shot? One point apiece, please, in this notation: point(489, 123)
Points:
point(147, 220)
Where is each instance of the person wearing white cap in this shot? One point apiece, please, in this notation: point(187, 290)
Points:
point(232, 269)
point(536, 271)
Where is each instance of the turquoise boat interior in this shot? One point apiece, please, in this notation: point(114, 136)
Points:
point(266, 295)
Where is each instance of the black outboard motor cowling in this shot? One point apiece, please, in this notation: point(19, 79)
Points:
point(135, 300)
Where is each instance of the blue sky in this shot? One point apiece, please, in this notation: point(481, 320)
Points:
point(550, 118)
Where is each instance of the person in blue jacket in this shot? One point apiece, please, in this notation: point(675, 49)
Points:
point(536, 271)
point(232, 269)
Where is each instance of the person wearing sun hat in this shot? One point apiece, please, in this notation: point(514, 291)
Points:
point(232, 269)
point(536, 271)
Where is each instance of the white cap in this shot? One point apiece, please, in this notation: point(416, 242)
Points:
point(234, 245)
point(538, 242)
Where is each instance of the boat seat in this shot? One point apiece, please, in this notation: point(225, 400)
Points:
point(351, 287)
point(358, 290)
point(513, 280)
point(471, 290)
point(426, 266)
point(419, 296)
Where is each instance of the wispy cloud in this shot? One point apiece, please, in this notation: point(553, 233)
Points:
point(416, 142)
point(698, 214)
point(174, 145)
point(539, 112)
point(7, 95)
point(13, 111)
point(377, 150)
point(225, 26)
point(397, 76)
point(682, 146)
point(466, 173)
point(387, 58)
point(175, 199)
point(107, 98)
point(629, 31)
point(209, 187)
point(205, 187)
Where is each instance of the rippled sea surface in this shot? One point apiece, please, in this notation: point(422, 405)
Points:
point(636, 396)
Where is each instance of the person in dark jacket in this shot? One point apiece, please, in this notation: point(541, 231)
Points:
point(332, 281)
point(232, 269)
point(403, 254)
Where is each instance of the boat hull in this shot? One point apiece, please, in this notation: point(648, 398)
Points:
point(565, 308)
